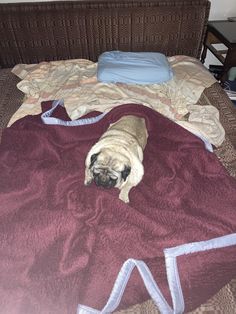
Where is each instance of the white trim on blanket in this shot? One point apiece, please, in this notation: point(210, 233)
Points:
point(172, 275)
point(47, 119)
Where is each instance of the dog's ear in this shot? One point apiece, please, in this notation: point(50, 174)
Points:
point(93, 159)
point(125, 172)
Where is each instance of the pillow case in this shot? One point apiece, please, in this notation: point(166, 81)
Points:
point(133, 67)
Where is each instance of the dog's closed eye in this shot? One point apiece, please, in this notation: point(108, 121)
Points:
point(113, 177)
point(125, 172)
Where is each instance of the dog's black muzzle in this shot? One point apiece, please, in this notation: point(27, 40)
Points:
point(104, 181)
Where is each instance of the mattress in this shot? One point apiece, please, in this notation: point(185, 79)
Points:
point(213, 95)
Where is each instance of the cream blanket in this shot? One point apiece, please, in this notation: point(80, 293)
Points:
point(75, 82)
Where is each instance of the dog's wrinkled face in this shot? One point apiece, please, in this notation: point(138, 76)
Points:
point(109, 169)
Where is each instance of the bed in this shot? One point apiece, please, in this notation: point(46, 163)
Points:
point(64, 244)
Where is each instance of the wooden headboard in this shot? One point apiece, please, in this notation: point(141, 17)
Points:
point(44, 31)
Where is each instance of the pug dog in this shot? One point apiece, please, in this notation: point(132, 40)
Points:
point(116, 159)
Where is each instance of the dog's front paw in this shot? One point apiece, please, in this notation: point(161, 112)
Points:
point(88, 178)
point(87, 182)
point(123, 196)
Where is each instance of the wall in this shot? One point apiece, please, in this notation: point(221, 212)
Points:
point(222, 9)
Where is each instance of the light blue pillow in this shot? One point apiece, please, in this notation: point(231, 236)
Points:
point(133, 67)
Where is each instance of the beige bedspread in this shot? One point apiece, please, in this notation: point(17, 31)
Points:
point(75, 81)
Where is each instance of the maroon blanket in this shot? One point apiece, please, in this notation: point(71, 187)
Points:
point(62, 243)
